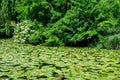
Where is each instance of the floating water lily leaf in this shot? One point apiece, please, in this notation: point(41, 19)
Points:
point(28, 62)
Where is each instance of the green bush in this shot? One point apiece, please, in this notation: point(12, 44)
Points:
point(85, 24)
point(34, 38)
point(23, 31)
point(38, 35)
point(66, 22)
point(6, 33)
point(44, 11)
point(112, 42)
point(2, 33)
point(29, 32)
point(53, 41)
point(75, 28)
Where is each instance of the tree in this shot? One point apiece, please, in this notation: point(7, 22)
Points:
point(7, 11)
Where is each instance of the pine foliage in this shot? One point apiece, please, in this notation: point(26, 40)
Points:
point(67, 22)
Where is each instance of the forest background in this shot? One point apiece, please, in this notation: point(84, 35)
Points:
point(78, 23)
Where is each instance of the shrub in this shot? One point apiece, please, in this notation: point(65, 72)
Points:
point(23, 31)
point(53, 41)
point(6, 33)
point(34, 38)
point(37, 37)
point(67, 22)
point(112, 42)
point(44, 11)
point(74, 29)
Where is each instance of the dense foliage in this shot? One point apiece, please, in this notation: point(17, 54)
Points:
point(28, 62)
point(65, 22)
point(6, 15)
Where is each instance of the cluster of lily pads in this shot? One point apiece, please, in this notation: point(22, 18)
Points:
point(29, 62)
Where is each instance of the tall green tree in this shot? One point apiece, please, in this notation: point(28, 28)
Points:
point(6, 14)
point(44, 11)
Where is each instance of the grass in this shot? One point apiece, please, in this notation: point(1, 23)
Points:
point(28, 62)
